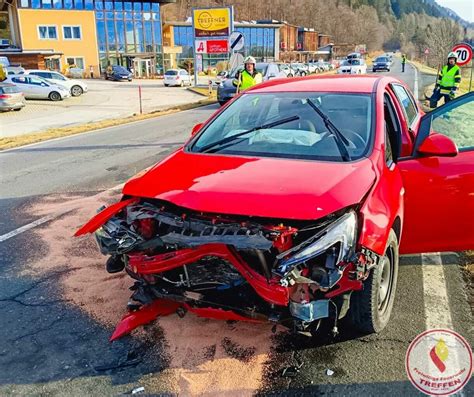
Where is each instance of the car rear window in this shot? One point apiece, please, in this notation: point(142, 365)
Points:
point(171, 73)
point(9, 90)
point(120, 69)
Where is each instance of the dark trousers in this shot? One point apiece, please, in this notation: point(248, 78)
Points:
point(403, 66)
point(436, 97)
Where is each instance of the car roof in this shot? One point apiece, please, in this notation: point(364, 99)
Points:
point(333, 83)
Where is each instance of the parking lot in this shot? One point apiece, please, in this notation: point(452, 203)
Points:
point(105, 100)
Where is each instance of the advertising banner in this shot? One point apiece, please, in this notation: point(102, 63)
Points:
point(212, 22)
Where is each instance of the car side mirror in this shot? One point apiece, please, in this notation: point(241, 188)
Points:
point(439, 145)
point(196, 129)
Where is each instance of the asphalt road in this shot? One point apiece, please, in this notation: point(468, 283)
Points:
point(53, 343)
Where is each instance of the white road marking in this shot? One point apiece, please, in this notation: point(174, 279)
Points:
point(32, 225)
point(47, 218)
point(437, 312)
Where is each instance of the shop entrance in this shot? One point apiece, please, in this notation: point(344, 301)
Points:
point(142, 68)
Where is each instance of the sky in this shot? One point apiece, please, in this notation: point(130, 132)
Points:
point(464, 8)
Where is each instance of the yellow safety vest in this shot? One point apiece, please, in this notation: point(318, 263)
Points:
point(247, 80)
point(448, 79)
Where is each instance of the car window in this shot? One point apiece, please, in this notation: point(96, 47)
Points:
point(36, 81)
point(304, 138)
point(406, 102)
point(57, 76)
point(456, 122)
point(45, 75)
point(184, 73)
point(171, 73)
point(19, 80)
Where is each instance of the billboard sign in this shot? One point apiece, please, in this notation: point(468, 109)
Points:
point(212, 22)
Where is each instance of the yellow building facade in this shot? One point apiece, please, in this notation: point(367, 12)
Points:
point(71, 34)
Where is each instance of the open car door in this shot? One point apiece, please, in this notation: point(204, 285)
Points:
point(439, 181)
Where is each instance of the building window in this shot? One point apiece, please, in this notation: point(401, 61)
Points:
point(75, 62)
point(79, 4)
point(35, 3)
point(72, 32)
point(24, 3)
point(47, 4)
point(47, 32)
point(89, 4)
point(68, 4)
point(58, 4)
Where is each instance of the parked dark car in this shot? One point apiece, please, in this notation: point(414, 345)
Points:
point(381, 63)
point(227, 90)
point(118, 73)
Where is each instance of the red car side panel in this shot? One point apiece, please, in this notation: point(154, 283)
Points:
point(439, 203)
point(385, 200)
point(103, 217)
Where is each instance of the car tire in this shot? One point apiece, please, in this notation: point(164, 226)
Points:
point(371, 307)
point(166, 85)
point(76, 90)
point(17, 109)
point(55, 96)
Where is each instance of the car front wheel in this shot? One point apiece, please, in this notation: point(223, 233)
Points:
point(55, 96)
point(371, 307)
point(76, 90)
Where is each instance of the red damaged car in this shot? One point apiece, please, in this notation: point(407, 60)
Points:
point(292, 204)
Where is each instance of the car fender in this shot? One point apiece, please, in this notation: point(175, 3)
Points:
point(382, 208)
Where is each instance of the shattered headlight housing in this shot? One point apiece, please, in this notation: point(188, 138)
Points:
point(341, 232)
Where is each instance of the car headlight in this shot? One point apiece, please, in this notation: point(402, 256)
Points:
point(342, 232)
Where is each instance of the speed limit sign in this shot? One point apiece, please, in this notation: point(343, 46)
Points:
point(464, 53)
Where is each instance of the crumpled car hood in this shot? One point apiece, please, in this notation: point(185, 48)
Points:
point(263, 187)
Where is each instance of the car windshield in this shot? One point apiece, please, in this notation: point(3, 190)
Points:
point(304, 137)
point(355, 62)
point(120, 69)
point(171, 73)
point(382, 59)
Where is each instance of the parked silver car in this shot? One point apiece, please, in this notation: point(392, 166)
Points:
point(11, 98)
point(76, 87)
point(35, 87)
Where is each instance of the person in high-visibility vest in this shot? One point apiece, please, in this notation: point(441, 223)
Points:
point(249, 76)
point(449, 78)
point(404, 60)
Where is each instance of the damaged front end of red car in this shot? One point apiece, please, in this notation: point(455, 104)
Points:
point(294, 273)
